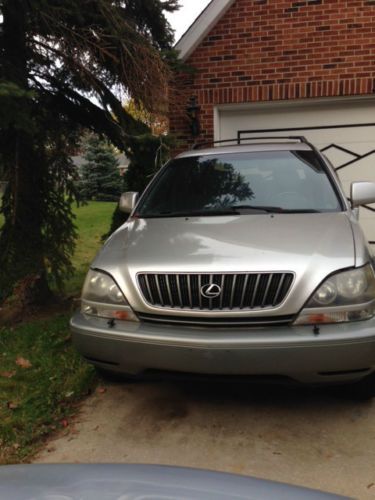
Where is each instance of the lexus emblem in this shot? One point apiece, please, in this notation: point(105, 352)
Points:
point(211, 291)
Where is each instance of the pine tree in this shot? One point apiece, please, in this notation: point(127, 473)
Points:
point(147, 154)
point(99, 177)
point(55, 56)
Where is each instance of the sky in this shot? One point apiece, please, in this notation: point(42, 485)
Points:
point(183, 18)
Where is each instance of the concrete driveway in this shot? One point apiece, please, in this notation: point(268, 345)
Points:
point(310, 438)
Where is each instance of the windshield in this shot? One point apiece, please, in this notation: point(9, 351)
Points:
point(263, 182)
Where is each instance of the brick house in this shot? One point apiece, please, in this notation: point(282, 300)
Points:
point(285, 67)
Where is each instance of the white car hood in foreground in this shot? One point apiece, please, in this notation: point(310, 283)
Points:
point(139, 482)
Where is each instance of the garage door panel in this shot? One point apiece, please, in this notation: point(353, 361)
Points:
point(367, 223)
point(288, 115)
point(363, 171)
point(345, 131)
point(336, 156)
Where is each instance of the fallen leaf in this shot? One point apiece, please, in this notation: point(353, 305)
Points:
point(7, 374)
point(64, 422)
point(12, 406)
point(16, 446)
point(50, 450)
point(102, 390)
point(23, 363)
point(370, 485)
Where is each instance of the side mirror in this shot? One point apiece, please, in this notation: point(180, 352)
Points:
point(362, 193)
point(128, 201)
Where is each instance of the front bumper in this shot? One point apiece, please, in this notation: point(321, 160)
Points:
point(341, 352)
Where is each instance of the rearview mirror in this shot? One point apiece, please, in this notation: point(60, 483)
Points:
point(128, 201)
point(362, 193)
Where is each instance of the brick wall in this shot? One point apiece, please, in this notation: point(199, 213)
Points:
point(265, 50)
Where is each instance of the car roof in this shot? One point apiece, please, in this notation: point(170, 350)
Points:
point(248, 148)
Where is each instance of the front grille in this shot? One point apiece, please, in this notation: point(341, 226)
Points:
point(253, 321)
point(245, 291)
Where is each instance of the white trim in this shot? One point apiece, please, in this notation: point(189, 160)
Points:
point(290, 103)
point(217, 123)
point(201, 27)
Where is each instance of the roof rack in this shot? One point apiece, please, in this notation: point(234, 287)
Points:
point(238, 140)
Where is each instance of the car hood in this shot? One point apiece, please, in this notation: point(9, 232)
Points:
point(137, 482)
point(311, 246)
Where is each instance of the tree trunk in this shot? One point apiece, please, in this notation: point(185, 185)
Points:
point(21, 242)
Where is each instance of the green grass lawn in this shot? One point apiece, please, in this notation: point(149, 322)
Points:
point(41, 375)
point(93, 221)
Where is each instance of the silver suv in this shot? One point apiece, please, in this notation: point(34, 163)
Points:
point(244, 260)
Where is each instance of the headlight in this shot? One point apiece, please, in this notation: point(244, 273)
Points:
point(102, 297)
point(346, 288)
point(355, 284)
point(326, 294)
point(100, 287)
point(345, 296)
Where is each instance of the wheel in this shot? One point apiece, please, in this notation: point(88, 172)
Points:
point(362, 390)
point(113, 376)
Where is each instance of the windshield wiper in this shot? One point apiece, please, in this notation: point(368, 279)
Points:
point(198, 213)
point(235, 210)
point(259, 208)
point(277, 210)
point(302, 211)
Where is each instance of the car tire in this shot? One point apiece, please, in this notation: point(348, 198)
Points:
point(362, 390)
point(113, 376)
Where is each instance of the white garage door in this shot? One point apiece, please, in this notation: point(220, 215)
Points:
point(344, 130)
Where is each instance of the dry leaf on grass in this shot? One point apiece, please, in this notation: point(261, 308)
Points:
point(23, 363)
point(102, 390)
point(7, 374)
point(12, 406)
